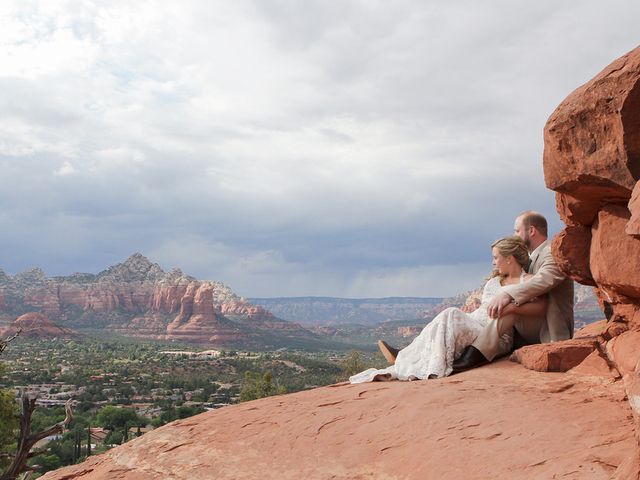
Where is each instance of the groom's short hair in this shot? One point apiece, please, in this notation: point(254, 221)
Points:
point(531, 218)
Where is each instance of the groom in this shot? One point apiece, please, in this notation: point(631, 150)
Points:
point(547, 279)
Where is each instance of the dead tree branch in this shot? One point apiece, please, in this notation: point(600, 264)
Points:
point(5, 342)
point(27, 440)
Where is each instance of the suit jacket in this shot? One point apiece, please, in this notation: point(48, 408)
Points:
point(548, 279)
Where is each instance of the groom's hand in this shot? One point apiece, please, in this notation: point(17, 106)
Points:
point(496, 305)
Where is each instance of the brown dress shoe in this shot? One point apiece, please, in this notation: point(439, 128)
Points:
point(388, 351)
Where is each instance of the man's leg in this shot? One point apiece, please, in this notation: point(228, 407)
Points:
point(488, 342)
point(529, 328)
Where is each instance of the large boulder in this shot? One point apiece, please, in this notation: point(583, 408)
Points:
point(571, 250)
point(573, 211)
point(614, 254)
point(592, 140)
point(633, 226)
point(556, 356)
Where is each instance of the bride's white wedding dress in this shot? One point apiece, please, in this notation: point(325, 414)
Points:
point(440, 342)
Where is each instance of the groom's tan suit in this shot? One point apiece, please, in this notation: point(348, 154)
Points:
point(558, 324)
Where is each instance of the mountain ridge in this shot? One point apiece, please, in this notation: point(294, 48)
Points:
point(138, 298)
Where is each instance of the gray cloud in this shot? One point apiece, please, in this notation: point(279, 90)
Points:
point(286, 148)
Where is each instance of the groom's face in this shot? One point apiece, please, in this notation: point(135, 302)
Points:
point(521, 231)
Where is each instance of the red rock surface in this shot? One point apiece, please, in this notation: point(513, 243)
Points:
point(555, 357)
point(576, 212)
point(572, 248)
point(633, 227)
point(500, 422)
point(624, 350)
point(199, 319)
point(614, 254)
point(597, 367)
point(592, 140)
point(36, 325)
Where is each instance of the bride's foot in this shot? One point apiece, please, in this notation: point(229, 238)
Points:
point(388, 351)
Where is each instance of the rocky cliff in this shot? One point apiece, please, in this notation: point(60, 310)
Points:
point(137, 298)
point(592, 161)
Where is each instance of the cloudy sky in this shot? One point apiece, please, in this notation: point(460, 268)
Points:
point(346, 148)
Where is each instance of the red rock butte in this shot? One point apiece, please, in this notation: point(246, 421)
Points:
point(568, 410)
point(36, 325)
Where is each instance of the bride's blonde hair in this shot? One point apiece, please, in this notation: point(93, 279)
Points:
point(512, 245)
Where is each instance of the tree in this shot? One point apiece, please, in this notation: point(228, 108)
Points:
point(114, 418)
point(8, 415)
point(8, 423)
point(353, 363)
point(256, 386)
point(26, 439)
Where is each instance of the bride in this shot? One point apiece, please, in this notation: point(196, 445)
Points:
point(431, 354)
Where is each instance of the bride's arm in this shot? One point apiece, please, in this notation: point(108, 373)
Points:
point(536, 307)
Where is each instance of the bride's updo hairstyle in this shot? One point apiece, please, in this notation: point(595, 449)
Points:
point(512, 245)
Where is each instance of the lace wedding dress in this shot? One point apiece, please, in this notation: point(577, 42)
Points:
point(440, 342)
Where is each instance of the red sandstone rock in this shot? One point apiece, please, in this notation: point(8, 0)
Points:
point(242, 307)
point(615, 255)
point(43, 299)
point(106, 297)
point(576, 212)
point(167, 297)
point(596, 367)
point(627, 313)
point(547, 425)
point(571, 250)
point(592, 140)
point(613, 329)
point(592, 330)
point(556, 356)
point(36, 325)
point(199, 320)
point(633, 226)
point(624, 350)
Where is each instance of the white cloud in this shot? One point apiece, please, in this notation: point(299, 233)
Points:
point(65, 169)
point(317, 147)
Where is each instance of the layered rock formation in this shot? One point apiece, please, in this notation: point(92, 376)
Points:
point(137, 298)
